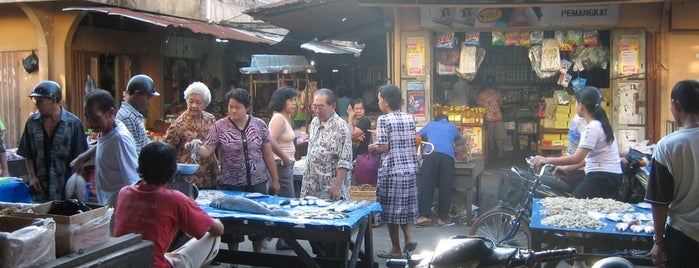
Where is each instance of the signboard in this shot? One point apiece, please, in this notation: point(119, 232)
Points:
point(416, 98)
point(578, 16)
point(415, 55)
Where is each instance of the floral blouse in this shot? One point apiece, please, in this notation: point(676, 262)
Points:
point(185, 129)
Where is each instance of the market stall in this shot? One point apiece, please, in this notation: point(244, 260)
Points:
point(535, 57)
point(351, 230)
point(266, 73)
point(601, 231)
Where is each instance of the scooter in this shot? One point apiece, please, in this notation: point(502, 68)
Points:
point(464, 251)
point(515, 182)
point(635, 178)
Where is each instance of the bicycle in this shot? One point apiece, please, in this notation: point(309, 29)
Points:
point(508, 226)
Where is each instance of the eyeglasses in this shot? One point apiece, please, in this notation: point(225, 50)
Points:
point(318, 106)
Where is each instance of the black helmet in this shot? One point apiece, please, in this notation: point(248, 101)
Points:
point(613, 262)
point(142, 83)
point(47, 89)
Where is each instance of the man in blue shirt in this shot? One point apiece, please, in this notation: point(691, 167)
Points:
point(437, 169)
point(51, 139)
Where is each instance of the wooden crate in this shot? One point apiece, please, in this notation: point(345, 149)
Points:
point(363, 192)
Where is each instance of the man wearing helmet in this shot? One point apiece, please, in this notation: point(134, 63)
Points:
point(140, 90)
point(52, 138)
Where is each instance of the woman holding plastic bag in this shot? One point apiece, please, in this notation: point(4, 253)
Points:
point(367, 164)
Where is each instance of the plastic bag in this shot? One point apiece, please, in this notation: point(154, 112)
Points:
point(535, 59)
point(366, 169)
point(75, 187)
point(92, 232)
point(30, 246)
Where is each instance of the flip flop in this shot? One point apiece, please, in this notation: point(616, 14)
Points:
point(389, 255)
point(424, 223)
point(410, 247)
point(442, 223)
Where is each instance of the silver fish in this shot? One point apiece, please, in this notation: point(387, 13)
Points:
point(242, 204)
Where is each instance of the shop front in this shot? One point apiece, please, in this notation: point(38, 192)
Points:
point(536, 57)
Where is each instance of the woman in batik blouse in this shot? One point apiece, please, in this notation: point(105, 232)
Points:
point(194, 123)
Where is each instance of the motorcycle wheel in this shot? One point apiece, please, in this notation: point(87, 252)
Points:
point(497, 223)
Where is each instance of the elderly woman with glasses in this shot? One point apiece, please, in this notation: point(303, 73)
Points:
point(194, 123)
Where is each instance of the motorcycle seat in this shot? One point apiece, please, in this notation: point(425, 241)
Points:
point(469, 251)
point(557, 185)
point(497, 256)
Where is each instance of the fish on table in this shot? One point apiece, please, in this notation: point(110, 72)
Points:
point(242, 204)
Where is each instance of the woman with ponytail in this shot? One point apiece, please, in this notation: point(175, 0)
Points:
point(597, 147)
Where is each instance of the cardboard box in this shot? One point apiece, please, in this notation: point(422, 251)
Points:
point(562, 116)
point(560, 124)
point(563, 109)
point(74, 232)
point(28, 247)
point(551, 137)
point(547, 123)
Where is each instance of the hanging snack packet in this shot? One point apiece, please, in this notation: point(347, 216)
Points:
point(448, 60)
point(564, 79)
point(498, 39)
point(565, 65)
point(524, 39)
point(578, 83)
point(512, 38)
point(563, 45)
point(536, 37)
point(575, 38)
point(472, 38)
point(535, 59)
point(550, 56)
point(591, 38)
point(445, 40)
point(578, 65)
point(563, 97)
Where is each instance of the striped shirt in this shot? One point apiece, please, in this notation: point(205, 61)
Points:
point(133, 120)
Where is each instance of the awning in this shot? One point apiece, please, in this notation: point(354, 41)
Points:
point(317, 47)
point(324, 19)
point(195, 26)
point(265, 64)
point(491, 3)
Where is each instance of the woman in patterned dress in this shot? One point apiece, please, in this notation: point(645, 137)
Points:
point(396, 188)
point(244, 145)
point(194, 123)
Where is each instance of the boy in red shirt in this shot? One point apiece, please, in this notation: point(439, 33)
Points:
point(151, 209)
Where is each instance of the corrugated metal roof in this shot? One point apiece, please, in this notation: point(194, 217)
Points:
point(324, 19)
point(317, 47)
point(167, 21)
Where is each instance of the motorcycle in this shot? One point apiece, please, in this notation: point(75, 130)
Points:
point(464, 251)
point(635, 177)
point(515, 182)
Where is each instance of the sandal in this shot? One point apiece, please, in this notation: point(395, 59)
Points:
point(423, 223)
point(389, 255)
point(410, 247)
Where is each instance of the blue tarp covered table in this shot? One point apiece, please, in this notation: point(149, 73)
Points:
point(14, 190)
point(604, 241)
point(291, 229)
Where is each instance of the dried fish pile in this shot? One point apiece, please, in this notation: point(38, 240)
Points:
point(573, 220)
point(568, 212)
point(604, 205)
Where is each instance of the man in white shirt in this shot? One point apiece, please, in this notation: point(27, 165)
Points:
point(115, 155)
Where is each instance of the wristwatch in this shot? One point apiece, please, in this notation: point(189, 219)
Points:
point(657, 241)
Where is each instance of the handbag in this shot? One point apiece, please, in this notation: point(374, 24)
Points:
point(366, 168)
